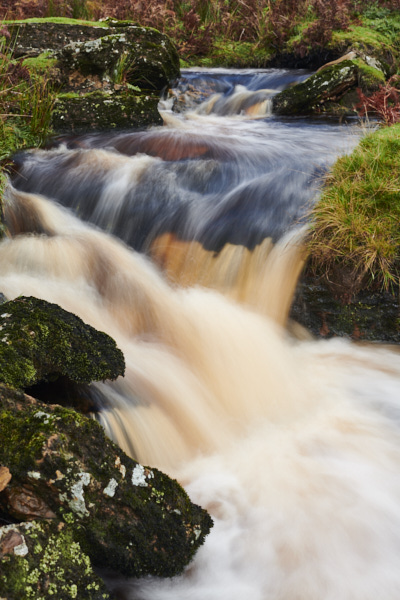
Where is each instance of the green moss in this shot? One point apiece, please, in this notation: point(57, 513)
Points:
point(229, 53)
point(43, 63)
point(105, 110)
point(41, 341)
point(310, 95)
point(61, 20)
point(53, 566)
point(125, 516)
point(369, 77)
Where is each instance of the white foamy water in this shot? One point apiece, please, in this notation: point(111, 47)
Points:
point(293, 447)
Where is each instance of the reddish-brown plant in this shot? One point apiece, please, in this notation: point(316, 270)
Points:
point(384, 103)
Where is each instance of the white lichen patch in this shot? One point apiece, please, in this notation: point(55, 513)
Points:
point(34, 474)
point(40, 414)
point(77, 502)
point(21, 549)
point(139, 476)
point(110, 489)
point(197, 532)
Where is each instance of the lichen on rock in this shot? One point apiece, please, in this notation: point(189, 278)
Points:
point(123, 65)
point(327, 85)
point(40, 560)
point(41, 341)
point(63, 468)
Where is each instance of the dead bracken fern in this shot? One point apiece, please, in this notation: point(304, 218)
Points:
point(383, 104)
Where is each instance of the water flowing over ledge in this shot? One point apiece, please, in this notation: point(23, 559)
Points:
point(293, 445)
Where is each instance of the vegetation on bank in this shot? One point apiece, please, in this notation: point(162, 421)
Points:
point(355, 223)
point(26, 100)
point(249, 29)
point(356, 230)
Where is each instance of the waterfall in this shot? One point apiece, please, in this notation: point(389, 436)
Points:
point(185, 243)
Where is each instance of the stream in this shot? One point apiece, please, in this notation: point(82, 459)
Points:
point(185, 244)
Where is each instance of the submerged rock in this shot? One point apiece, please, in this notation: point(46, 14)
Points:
point(61, 467)
point(41, 341)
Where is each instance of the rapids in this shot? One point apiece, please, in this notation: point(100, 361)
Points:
point(293, 445)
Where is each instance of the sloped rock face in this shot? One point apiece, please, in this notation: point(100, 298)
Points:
point(327, 85)
point(367, 316)
point(125, 65)
point(41, 341)
point(59, 467)
point(332, 89)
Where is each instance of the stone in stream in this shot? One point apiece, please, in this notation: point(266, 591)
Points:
point(42, 343)
point(108, 75)
point(79, 490)
point(332, 89)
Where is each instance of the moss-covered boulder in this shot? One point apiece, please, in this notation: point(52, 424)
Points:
point(331, 89)
point(61, 466)
point(104, 109)
point(40, 560)
point(123, 65)
point(41, 341)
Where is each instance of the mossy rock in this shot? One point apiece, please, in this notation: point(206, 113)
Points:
point(40, 560)
point(104, 110)
point(132, 519)
point(96, 50)
point(41, 341)
point(327, 311)
point(108, 75)
point(327, 85)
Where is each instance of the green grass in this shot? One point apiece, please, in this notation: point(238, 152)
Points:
point(26, 101)
point(356, 223)
point(64, 20)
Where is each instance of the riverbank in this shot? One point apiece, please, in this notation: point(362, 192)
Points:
point(29, 115)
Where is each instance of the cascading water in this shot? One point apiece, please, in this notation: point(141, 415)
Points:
point(292, 445)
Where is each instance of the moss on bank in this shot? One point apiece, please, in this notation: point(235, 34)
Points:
point(355, 232)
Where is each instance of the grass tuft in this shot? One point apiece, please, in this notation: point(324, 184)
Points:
point(356, 223)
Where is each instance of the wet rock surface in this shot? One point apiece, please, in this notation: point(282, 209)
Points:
point(367, 316)
point(332, 89)
point(110, 108)
point(41, 341)
point(58, 467)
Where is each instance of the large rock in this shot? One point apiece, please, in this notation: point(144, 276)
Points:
point(331, 89)
point(104, 109)
point(109, 75)
point(59, 466)
point(41, 341)
point(326, 309)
